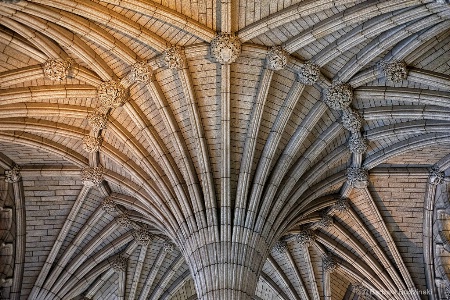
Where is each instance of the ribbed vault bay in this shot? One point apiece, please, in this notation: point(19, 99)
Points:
point(224, 150)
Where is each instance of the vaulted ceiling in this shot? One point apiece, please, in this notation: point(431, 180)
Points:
point(143, 151)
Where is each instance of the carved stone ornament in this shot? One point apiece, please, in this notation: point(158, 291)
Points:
point(329, 263)
point(92, 176)
point(447, 292)
point(357, 144)
point(342, 205)
point(124, 221)
point(444, 238)
point(395, 71)
point(174, 58)
point(357, 177)
point(325, 222)
point(363, 292)
point(92, 144)
point(226, 48)
point(140, 72)
point(276, 58)
point(57, 69)
point(109, 205)
point(309, 73)
point(13, 175)
point(351, 120)
point(436, 177)
point(112, 94)
point(98, 120)
point(339, 96)
point(280, 247)
point(168, 246)
point(142, 236)
point(119, 263)
point(305, 237)
point(6, 282)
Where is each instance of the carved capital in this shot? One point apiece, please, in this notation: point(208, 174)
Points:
point(226, 48)
point(305, 237)
point(92, 144)
point(124, 221)
point(447, 292)
point(57, 69)
point(339, 96)
point(342, 205)
point(119, 263)
point(276, 58)
point(174, 58)
point(351, 120)
point(168, 246)
point(357, 177)
point(325, 222)
point(6, 282)
point(361, 291)
point(309, 73)
point(395, 71)
point(357, 144)
point(436, 177)
point(329, 263)
point(92, 176)
point(112, 94)
point(13, 175)
point(109, 205)
point(140, 72)
point(280, 247)
point(98, 120)
point(142, 236)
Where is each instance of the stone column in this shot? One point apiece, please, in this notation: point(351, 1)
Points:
point(226, 270)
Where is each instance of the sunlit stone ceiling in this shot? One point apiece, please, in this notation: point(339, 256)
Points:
point(222, 150)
